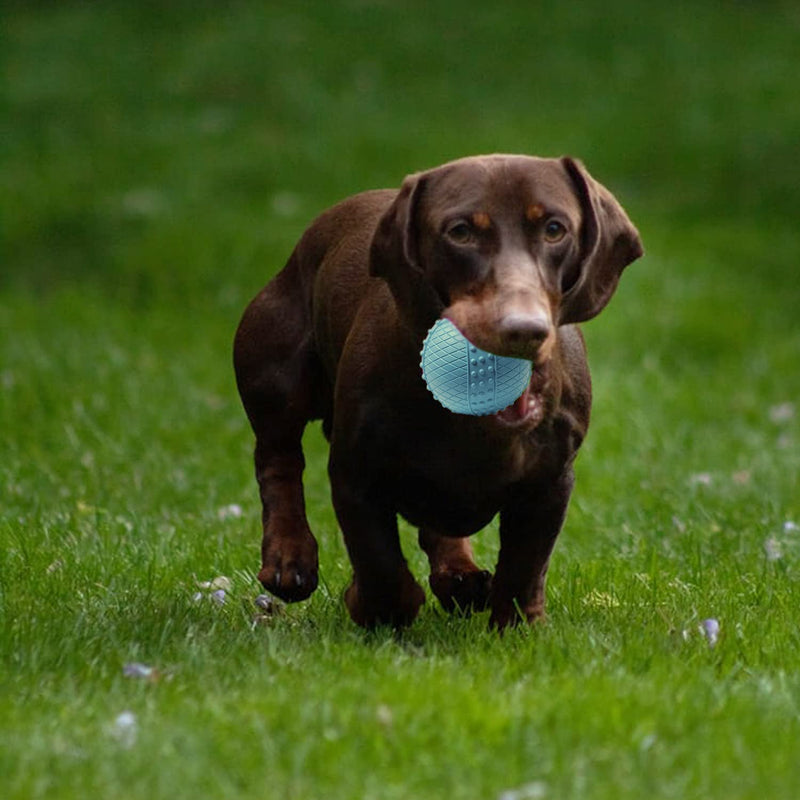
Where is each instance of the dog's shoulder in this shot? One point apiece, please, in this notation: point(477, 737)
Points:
point(348, 225)
point(357, 212)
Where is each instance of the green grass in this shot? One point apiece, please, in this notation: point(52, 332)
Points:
point(158, 164)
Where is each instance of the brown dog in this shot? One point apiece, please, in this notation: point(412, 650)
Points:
point(513, 250)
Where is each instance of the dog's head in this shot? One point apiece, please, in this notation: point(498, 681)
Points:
point(506, 247)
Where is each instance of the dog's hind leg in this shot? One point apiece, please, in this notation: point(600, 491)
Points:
point(457, 581)
point(282, 386)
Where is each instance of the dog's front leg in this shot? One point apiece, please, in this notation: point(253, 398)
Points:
point(529, 526)
point(288, 548)
point(383, 590)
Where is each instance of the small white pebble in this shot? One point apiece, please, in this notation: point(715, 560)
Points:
point(220, 582)
point(213, 120)
point(384, 715)
point(136, 670)
point(648, 742)
point(265, 603)
point(232, 511)
point(773, 549)
point(783, 412)
point(285, 204)
point(219, 596)
point(710, 629)
point(701, 479)
point(530, 791)
point(127, 719)
point(145, 202)
point(125, 728)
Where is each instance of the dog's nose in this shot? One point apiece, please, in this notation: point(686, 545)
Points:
point(525, 328)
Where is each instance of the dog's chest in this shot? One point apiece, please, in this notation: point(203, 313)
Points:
point(458, 484)
point(443, 507)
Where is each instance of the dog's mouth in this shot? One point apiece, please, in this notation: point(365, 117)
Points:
point(528, 409)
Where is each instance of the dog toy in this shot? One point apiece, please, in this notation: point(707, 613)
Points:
point(467, 380)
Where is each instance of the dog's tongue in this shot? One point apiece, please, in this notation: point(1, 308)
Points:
point(517, 410)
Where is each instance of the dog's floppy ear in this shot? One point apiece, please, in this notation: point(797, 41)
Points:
point(609, 242)
point(395, 257)
point(394, 245)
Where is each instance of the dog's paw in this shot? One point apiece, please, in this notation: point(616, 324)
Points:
point(510, 614)
point(397, 608)
point(289, 567)
point(462, 591)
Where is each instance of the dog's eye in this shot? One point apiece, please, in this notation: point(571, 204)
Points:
point(554, 231)
point(460, 232)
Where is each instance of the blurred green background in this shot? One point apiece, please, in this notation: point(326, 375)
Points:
point(204, 135)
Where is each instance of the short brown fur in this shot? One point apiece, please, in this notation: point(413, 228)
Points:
point(336, 335)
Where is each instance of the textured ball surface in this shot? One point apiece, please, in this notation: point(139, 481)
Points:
point(467, 380)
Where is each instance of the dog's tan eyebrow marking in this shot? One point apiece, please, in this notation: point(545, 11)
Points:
point(535, 211)
point(480, 219)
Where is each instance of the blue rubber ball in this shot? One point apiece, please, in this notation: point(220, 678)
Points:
point(467, 380)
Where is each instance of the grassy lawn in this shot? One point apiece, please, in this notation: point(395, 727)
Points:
point(158, 163)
